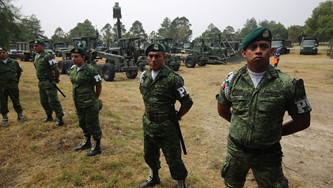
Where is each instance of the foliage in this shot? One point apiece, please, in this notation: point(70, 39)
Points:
point(107, 35)
point(295, 33)
point(179, 29)
point(320, 24)
point(59, 36)
point(137, 30)
point(248, 26)
point(9, 21)
point(82, 29)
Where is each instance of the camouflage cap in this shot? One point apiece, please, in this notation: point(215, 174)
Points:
point(155, 47)
point(79, 50)
point(3, 49)
point(39, 41)
point(260, 33)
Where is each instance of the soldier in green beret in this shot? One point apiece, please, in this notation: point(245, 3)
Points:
point(161, 87)
point(87, 87)
point(10, 73)
point(259, 95)
point(47, 73)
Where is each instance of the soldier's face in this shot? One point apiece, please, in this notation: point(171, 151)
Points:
point(77, 59)
point(257, 55)
point(38, 48)
point(156, 60)
point(3, 55)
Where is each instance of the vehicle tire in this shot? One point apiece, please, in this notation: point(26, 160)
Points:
point(108, 72)
point(189, 62)
point(131, 74)
point(202, 63)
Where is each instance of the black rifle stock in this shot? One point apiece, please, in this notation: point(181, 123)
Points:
point(55, 85)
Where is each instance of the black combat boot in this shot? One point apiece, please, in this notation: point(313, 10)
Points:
point(48, 118)
point(20, 116)
point(96, 148)
point(152, 180)
point(60, 122)
point(181, 184)
point(86, 144)
point(4, 119)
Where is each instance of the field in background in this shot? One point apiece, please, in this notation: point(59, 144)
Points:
point(37, 154)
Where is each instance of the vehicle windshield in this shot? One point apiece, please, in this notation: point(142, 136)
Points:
point(309, 42)
point(276, 43)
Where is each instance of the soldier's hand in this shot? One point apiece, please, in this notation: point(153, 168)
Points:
point(57, 80)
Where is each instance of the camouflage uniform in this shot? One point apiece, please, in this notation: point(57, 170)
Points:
point(9, 85)
point(159, 120)
point(44, 64)
point(85, 99)
point(256, 124)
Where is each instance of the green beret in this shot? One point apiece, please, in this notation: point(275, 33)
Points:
point(3, 49)
point(155, 47)
point(260, 33)
point(39, 41)
point(79, 50)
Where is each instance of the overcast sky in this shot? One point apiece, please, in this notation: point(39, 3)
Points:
point(151, 13)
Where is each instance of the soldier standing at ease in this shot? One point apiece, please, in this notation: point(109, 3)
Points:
point(47, 73)
point(87, 87)
point(10, 73)
point(259, 95)
point(161, 88)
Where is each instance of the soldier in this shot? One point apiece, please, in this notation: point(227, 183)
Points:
point(10, 73)
point(161, 88)
point(87, 87)
point(47, 73)
point(259, 95)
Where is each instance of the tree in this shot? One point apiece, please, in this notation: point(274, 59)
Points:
point(137, 30)
point(107, 35)
point(295, 33)
point(59, 35)
point(180, 30)
point(320, 24)
point(210, 31)
point(228, 30)
point(164, 31)
point(30, 28)
point(278, 30)
point(8, 20)
point(249, 25)
point(83, 29)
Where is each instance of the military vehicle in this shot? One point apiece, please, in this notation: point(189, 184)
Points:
point(211, 50)
point(309, 45)
point(283, 44)
point(173, 60)
point(58, 47)
point(122, 58)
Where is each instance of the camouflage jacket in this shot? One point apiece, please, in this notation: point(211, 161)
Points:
point(44, 64)
point(257, 113)
point(9, 72)
point(84, 82)
point(161, 94)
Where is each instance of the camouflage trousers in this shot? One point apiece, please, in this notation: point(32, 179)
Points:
point(266, 168)
point(89, 121)
point(165, 138)
point(49, 100)
point(13, 94)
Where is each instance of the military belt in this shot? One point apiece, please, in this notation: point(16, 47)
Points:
point(275, 147)
point(158, 118)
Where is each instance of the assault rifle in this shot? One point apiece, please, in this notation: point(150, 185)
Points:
point(54, 84)
point(179, 132)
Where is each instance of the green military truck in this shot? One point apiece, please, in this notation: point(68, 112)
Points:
point(283, 44)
